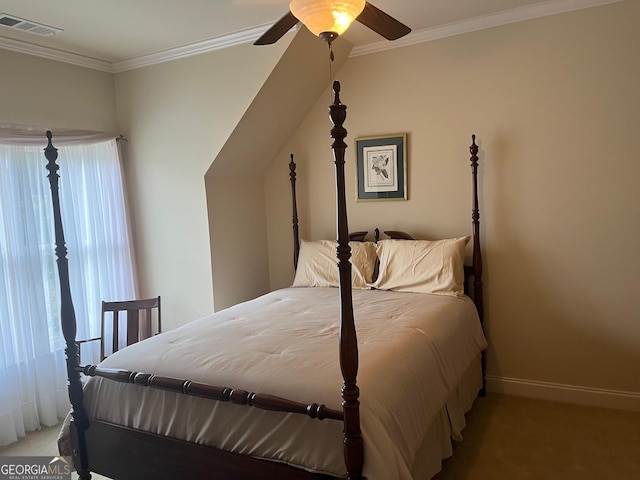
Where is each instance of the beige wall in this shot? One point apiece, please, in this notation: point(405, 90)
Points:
point(236, 200)
point(238, 238)
point(44, 93)
point(554, 103)
point(177, 116)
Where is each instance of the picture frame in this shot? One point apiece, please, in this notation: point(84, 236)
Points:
point(381, 167)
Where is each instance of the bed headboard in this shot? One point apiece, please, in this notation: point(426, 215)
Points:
point(471, 272)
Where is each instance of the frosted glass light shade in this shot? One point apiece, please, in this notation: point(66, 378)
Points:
point(321, 16)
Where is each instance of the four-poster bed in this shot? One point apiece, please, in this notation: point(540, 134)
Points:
point(414, 394)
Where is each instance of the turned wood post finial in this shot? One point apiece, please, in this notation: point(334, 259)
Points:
point(51, 154)
point(473, 149)
point(338, 114)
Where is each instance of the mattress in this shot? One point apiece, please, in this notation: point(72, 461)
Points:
point(414, 352)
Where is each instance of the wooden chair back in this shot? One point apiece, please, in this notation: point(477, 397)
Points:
point(143, 319)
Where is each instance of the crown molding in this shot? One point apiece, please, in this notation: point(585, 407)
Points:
point(550, 7)
point(225, 41)
point(217, 43)
point(53, 54)
point(520, 14)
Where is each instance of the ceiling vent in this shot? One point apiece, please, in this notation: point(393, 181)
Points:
point(27, 25)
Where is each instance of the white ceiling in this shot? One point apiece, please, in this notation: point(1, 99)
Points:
point(120, 34)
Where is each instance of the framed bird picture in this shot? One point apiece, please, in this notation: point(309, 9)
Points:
point(382, 167)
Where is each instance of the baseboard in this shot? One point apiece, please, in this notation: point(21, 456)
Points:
point(596, 397)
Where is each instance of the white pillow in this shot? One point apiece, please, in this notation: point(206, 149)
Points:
point(318, 264)
point(422, 266)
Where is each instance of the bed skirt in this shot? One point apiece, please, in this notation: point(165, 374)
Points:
point(437, 442)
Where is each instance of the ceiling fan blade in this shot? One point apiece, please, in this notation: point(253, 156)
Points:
point(277, 30)
point(381, 23)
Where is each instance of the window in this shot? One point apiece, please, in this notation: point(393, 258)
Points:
point(32, 368)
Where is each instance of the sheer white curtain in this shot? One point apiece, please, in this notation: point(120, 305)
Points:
point(33, 388)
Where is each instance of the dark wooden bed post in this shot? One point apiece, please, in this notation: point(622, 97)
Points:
point(477, 253)
point(80, 421)
point(294, 220)
point(353, 446)
point(475, 216)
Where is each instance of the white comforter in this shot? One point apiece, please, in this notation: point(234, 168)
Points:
point(414, 349)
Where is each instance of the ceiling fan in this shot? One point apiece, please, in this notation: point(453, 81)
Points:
point(329, 19)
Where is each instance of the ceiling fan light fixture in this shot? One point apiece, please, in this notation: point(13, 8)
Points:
point(327, 16)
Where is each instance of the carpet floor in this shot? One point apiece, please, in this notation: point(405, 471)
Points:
point(517, 438)
point(506, 438)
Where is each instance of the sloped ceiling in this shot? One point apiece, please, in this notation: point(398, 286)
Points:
point(300, 77)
